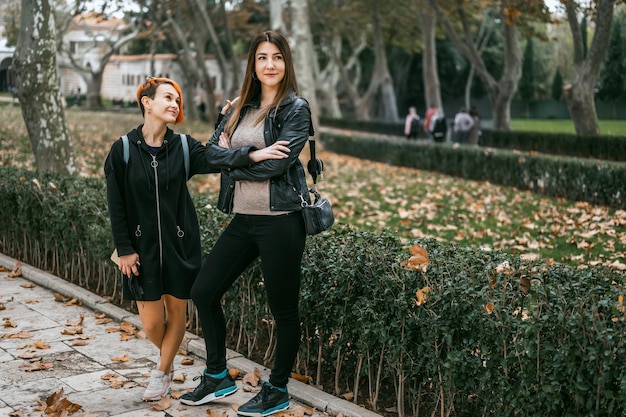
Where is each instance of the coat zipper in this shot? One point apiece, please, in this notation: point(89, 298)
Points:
point(155, 165)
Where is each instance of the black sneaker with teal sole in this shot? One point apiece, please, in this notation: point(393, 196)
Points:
point(209, 390)
point(268, 401)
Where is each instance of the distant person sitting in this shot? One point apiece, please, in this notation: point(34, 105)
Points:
point(412, 124)
point(463, 122)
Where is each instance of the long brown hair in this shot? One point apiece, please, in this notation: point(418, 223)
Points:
point(251, 86)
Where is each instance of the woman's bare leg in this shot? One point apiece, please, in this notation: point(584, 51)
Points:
point(164, 323)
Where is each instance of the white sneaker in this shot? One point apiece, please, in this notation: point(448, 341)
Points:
point(158, 387)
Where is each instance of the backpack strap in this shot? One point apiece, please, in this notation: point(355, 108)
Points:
point(126, 150)
point(183, 140)
point(185, 143)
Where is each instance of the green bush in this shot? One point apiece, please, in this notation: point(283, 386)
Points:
point(594, 181)
point(472, 333)
point(609, 148)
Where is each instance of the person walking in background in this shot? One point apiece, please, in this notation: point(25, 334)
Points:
point(268, 120)
point(463, 122)
point(412, 124)
point(473, 136)
point(428, 120)
point(154, 222)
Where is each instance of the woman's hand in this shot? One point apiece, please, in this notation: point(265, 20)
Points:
point(224, 142)
point(228, 105)
point(278, 150)
point(129, 264)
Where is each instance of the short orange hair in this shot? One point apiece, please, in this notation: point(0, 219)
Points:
point(149, 88)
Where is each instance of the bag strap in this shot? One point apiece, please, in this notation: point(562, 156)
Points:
point(315, 165)
point(185, 143)
point(126, 150)
point(183, 140)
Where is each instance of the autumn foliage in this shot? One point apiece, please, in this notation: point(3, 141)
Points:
point(390, 320)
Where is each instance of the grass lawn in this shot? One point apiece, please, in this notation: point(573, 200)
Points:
point(374, 196)
point(607, 127)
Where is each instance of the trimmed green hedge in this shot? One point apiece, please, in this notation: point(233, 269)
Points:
point(475, 333)
point(597, 182)
point(609, 148)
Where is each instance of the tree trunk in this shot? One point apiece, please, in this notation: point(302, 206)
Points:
point(38, 91)
point(276, 16)
point(501, 111)
point(579, 94)
point(579, 97)
point(430, 74)
point(387, 108)
point(94, 85)
point(305, 55)
point(501, 92)
point(328, 79)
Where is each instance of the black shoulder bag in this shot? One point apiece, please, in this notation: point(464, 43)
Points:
point(318, 215)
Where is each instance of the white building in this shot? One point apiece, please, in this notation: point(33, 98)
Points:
point(86, 39)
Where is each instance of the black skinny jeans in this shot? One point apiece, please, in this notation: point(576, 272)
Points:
point(279, 241)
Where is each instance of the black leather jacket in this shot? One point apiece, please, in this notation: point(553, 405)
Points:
point(291, 121)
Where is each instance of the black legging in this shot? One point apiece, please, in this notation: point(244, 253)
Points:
point(279, 241)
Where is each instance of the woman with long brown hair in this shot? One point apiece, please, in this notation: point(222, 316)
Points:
point(265, 198)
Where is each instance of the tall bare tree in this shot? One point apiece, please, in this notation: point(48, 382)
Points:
point(304, 55)
point(430, 74)
point(579, 93)
point(501, 90)
point(37, 82)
